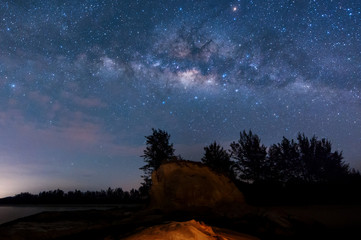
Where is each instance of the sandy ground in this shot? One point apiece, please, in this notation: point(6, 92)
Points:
point(287, 222)
point(332, 216)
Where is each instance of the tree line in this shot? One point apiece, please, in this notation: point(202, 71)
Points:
point(288, 171)
point(109, 196)
point(306, 164)
point(305, 160)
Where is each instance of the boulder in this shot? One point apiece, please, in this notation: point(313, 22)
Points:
point(192, 186)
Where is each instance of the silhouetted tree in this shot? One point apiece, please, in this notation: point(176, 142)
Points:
point(283, 162)
point(307, 161)
point(158, 150)
point(250, 156)
point(354, 177)
point(320, 164)
point(218, 159)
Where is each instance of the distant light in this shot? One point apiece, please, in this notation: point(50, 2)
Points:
point(234, 9)
point(13, 85)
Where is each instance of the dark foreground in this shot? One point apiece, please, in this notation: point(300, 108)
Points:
point(304, 222)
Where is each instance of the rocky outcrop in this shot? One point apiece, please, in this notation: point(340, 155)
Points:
point(187, 230)
point(191, 186)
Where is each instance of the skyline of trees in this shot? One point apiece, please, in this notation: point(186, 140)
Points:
point(305, 170)
point(305, 162)
point(109, 196)
point(308, 160)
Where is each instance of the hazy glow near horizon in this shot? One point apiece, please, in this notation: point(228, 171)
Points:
point(82, 82)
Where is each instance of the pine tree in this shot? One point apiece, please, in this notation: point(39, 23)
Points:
point(283, 164)
point(158, 150)
point(250, 156)
point(218, 159)
point(320, 164)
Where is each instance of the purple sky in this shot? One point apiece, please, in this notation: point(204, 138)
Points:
point(82, 83)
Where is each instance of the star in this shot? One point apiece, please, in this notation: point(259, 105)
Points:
point(79, 75)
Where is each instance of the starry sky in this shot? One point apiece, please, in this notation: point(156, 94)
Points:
point(82, 82)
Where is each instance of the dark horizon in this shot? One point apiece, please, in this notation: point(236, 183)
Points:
point(226, 148)
point(82, 83)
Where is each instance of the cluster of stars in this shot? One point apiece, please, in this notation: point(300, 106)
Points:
point(202, 70)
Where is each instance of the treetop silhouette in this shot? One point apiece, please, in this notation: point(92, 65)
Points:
point(158, 150)
point(218, 159)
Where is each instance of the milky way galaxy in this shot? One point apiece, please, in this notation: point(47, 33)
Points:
point(82, 82)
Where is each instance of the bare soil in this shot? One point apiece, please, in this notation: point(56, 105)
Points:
point(281, 222)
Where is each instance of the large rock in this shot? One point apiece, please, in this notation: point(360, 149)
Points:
point(191, 186)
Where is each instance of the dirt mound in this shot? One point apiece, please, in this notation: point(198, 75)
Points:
point(187, 230)
point(191, 186)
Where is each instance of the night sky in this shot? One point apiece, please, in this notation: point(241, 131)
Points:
point(82, 82)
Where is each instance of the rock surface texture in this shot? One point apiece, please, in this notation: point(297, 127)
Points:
point(187, 230)
point(191, 186)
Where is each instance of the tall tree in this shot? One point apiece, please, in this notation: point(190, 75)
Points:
point(283, 162)
point(250, 156)
point(318, 160)
point(158, 150)
point(218, 159)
